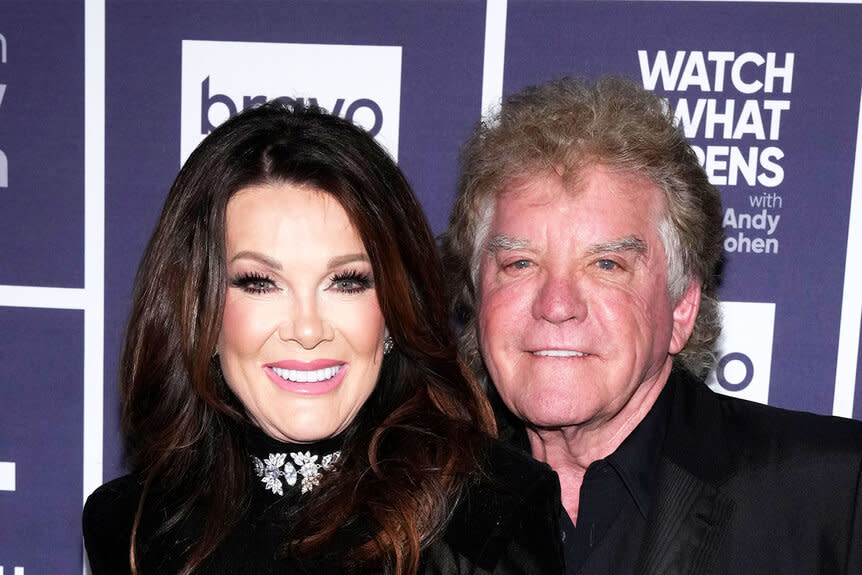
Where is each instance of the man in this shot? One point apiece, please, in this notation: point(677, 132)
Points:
point(584, 249)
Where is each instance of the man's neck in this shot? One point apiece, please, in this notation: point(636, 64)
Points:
point(570, 450)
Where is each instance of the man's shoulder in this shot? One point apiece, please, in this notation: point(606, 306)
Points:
point(760, 469)
point(766, 424)
point(750, 433)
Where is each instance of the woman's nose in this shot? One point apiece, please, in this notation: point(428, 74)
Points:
point(306, 325)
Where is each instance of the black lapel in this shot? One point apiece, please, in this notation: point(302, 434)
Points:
point(689, 515)
point(688, 521)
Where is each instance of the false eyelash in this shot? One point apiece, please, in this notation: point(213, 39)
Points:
point(362, 280)
point(247, 282)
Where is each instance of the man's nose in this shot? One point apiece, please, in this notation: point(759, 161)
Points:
point(560, 298)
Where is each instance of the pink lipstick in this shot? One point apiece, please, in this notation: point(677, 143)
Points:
point(307, 377)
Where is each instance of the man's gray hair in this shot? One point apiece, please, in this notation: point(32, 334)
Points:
point(565, 127)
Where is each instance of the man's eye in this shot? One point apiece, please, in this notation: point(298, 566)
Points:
point(519, 264)
point(607, 264)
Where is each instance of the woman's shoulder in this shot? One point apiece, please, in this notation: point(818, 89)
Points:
point(127, 487)
point(107, 524)
point(510, 468)
point(112, 505)
point(507, 520)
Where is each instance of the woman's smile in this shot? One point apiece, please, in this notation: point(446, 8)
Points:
point(306, 379)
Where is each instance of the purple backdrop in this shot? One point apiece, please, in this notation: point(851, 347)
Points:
point(42, 136)
point(41, 244)
point(802, 135)
point(41, 395)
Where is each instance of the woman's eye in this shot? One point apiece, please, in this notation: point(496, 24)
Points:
point(253, 283)
point(351, 282)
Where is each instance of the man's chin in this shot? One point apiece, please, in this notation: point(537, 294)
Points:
point(549, 422)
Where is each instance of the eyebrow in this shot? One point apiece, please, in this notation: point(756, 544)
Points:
point(626, 244)
point(264, 259)
point(502, 243)
point(258, 257)
point(348, 259)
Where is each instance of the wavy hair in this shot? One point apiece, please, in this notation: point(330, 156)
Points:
point(565, 126)
point(408, 452)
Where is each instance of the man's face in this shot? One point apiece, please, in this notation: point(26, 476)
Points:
point(574, 318)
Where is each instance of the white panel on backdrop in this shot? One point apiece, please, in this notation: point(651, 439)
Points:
point(7, 476)
point(4, 161)
point(744, 351)
point(360, 83)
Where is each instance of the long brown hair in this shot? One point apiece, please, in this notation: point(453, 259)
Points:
point(410, 450)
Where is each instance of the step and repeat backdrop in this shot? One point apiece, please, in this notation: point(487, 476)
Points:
point(100, 102)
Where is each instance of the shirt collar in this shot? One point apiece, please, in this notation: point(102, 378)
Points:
point(636, 459)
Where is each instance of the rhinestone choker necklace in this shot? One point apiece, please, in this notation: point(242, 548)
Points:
point(277, 473)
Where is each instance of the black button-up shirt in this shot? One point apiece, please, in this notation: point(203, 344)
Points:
point(622, 481)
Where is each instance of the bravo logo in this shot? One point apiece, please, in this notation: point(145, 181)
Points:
point(744, 351)
point(359, 83)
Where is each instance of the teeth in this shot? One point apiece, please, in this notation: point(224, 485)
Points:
point(559, 353)
point(307, 376)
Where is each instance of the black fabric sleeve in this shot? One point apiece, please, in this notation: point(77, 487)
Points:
point(506, 524)
point(107, 525)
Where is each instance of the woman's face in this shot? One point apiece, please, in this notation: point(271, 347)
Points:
point(302, 337)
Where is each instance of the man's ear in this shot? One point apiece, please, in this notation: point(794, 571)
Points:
point(684, 314)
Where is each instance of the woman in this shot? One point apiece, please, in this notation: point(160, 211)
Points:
point(291, 391)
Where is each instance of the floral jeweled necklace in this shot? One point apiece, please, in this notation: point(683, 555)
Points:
point(275, 471)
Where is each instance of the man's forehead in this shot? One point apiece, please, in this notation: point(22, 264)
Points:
point(607, 210)
point(609, 193)
point(536, 189)
point(542, 186)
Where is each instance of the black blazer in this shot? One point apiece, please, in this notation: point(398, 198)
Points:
point(750, 489)
point(505, 524)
